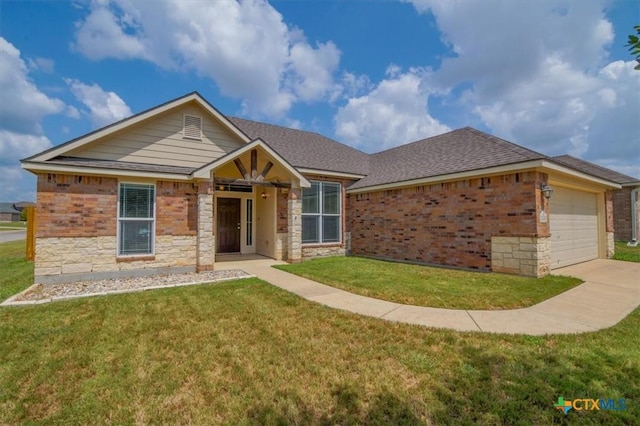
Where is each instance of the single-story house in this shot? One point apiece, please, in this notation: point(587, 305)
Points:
point(170, 188)
point(9, 213)
point(626, 200)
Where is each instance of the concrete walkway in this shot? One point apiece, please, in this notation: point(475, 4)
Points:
point(610, 292)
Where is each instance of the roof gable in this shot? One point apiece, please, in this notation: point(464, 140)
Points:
point(78, 143)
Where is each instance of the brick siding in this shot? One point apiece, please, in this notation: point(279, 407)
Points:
point(176, 208)
point(622, 214)
point(76, 206)
point(447, 223)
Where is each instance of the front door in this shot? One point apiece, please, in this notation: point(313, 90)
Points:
point(228, 235)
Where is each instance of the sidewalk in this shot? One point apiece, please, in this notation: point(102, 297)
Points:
point(610, 292)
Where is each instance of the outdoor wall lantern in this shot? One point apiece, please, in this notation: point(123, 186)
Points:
point(546, 191)
point(263, 195)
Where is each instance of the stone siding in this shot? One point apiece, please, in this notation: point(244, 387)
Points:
point(528, 256)
point(205, 242)
point(91, 255)
point(281, 251)
point(294, 227)
point(449, 223)
point(611, 245)
point(311, 251)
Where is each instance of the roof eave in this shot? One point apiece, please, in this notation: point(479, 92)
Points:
point(541, 164)
point(36, 167)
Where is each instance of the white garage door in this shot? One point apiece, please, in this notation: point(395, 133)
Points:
point(573, 221)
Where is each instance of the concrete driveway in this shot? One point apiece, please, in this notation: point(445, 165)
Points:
point(610, 292)
point(6, 236)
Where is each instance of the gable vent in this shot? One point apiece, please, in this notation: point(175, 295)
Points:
point(192, 127)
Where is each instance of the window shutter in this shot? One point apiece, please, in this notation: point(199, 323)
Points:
point(192, 127)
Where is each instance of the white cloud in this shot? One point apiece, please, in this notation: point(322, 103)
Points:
point(23, 104)
point(539, 75)
point(41, 64)
point(18, 146)
point(22, 108)
point(393, 113)
point(245, 47)
point(104, 107)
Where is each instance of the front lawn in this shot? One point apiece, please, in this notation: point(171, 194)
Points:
point(429, 286)
point(624, 252)
point(245, 352)
point(16, 273)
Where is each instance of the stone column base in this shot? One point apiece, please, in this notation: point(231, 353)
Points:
point(529, 256)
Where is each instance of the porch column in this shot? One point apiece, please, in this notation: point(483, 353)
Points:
point(294, 227)
point(206, 240)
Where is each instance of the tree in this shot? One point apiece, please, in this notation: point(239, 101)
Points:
point(634, 46)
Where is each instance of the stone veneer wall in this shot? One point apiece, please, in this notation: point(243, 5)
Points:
point(63, 259)
point(294, 226)
point(205, 243)
point(282, 241)
point(309, 252)
point(530, 256)
point(450, 223)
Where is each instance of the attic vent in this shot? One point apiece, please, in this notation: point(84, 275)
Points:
point(192, 127)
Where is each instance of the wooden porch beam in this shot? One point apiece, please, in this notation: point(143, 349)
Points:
point(228, 181)
point(241, 169)
point(264, 172)
point(254, 164)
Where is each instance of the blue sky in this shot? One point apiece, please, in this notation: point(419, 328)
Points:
point(551, 75)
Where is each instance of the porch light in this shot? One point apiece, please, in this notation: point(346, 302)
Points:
point(546, 190)
point(263, 195)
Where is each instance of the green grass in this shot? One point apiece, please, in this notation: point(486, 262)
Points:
point(16, 273)
point(624, 252)
point(428, 286)
point(245, 352)
point(10, 226)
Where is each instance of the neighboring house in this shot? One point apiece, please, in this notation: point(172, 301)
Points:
point(21, 205)
point(626, 201)
point(9, 213)
point(168, 189)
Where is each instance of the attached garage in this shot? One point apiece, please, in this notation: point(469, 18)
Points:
point(573, 222)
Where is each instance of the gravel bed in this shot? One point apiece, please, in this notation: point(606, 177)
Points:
point(122, 285)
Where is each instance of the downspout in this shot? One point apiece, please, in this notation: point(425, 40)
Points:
point(634, 219)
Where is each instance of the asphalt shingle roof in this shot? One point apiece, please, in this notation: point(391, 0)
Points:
point(7, 208)
point(453, 152)
point(594, 169)
point(306, 149)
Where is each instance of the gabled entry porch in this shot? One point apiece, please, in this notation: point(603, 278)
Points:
point(249, 202)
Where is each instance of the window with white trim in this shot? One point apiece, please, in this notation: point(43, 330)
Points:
point(136, 219)
point(321, 211)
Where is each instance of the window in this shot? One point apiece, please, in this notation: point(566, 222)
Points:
point(321, 213)
point(249, 222)
point(192, 127)
point(136, 219)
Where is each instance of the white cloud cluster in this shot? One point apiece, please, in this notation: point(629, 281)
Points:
point(22, 108)
point(104, 107)
point(245, 47)
point(394, 112)
point(540, 76)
